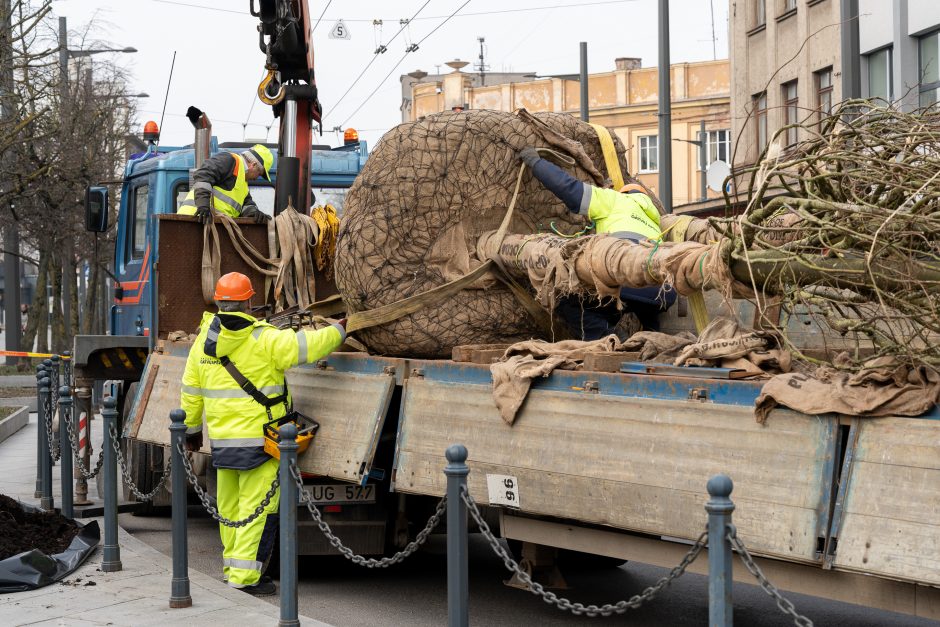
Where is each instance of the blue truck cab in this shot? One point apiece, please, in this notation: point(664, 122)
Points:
point(156, 182)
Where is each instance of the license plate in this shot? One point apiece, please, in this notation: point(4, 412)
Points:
point(328, 493)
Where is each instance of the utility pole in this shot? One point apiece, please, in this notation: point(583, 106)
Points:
point(482, 67)
point(11, 239)
point(68, 277)
point(584, 82)
point(665, 110)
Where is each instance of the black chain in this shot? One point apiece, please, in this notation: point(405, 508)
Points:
point(562, 603)
point(786, 606)
point(125, 473)
point(206, 503)
point(348, 553)
point(47, 421)
point(73, 439)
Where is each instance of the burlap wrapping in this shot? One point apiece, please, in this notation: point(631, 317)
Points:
point(884, 387)
point(602, 264)
point(413, 217)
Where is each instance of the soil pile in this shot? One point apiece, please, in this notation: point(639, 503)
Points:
point(49, 532)
point(428, 192)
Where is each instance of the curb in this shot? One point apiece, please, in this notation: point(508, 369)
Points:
point(14, 422)
point(20, 401)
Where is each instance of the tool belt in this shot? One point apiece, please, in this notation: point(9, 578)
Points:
point(306, 427)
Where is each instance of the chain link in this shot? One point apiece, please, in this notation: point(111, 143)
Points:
point(562, 603)
point(348, 553)
point(206, 503)
point(125, 473)
point(786, 606)
point(47, 422)
point(73, 439)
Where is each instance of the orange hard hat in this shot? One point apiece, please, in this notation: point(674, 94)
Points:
point(632, 187)
point(233, 286)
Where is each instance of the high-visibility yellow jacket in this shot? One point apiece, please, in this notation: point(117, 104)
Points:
point(261, 353)
point(208, 179)
point(631, 215)
point(614, 212)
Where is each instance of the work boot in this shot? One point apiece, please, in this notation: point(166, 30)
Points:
point(264, 588)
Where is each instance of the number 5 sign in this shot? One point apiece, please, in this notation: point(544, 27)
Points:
point(339, 30)
point(503, 490)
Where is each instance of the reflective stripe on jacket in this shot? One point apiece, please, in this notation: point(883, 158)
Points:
point(227, 201)
point(262, 353)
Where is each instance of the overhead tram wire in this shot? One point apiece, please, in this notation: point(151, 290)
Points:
point(372, 60)
point(410, 49)
point(427, 17)
point(321, 16)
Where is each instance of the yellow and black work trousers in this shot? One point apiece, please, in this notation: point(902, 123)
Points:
point(245, 549)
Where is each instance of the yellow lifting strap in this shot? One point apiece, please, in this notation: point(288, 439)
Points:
point(610, 155)
point(697, 300)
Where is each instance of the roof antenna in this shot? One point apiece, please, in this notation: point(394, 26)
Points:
point(167, 96)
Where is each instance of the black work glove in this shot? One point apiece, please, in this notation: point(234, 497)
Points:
point(204, 215)
point(252, 211)
point(529, 156)
point(194, 442)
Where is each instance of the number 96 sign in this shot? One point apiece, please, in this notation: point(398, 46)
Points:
point(503, 490)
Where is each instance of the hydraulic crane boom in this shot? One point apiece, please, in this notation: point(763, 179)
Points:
point(290, 88)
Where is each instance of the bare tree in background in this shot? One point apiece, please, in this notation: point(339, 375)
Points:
point(60, 148)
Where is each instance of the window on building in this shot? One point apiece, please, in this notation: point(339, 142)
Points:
point(824, 92)
point(760, 12)
point(137, 242)
point(718, 145)
point(791, 105)
point(789, 5)
point(760, 114)
point(649, 153)
point(879, 74)
point(929, 69)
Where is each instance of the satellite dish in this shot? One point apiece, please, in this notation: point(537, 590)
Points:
point(716, 174)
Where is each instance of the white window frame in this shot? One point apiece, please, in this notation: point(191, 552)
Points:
point(889, 70)
point(714, 141)
point(645, 149)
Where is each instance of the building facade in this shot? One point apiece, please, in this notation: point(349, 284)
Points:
point(899, 46)
point(625, 101)
point(787, 65)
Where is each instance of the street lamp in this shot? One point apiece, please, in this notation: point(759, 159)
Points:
point(88, 53)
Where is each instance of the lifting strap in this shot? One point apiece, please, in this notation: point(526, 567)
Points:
point(697, 300)
point(610, 155)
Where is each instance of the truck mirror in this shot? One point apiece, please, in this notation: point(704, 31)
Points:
point(96, 209)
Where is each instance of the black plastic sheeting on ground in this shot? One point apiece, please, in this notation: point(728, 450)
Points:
point(34, 569)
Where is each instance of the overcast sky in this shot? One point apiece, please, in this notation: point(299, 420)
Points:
point(219, 64)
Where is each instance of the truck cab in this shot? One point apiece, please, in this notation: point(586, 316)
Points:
point(156, 182)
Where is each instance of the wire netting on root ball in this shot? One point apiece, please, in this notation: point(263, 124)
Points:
point(428, 191)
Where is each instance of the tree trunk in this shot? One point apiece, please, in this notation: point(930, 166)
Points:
point(58, 324)
point(38, 313)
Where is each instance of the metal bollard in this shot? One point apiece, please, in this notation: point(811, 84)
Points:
point(179, 586)
point(65, 446)
point(458, 595)
point(45, 501)
point(40, 421)
point(288, 528)
point(111, 562)
point(720, 578)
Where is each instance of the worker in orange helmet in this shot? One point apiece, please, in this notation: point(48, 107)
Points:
point(235, 374)
point(628, 213)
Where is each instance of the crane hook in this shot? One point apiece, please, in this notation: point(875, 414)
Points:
point(263, 89)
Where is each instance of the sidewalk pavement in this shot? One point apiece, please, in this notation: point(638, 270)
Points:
point(137, 595)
